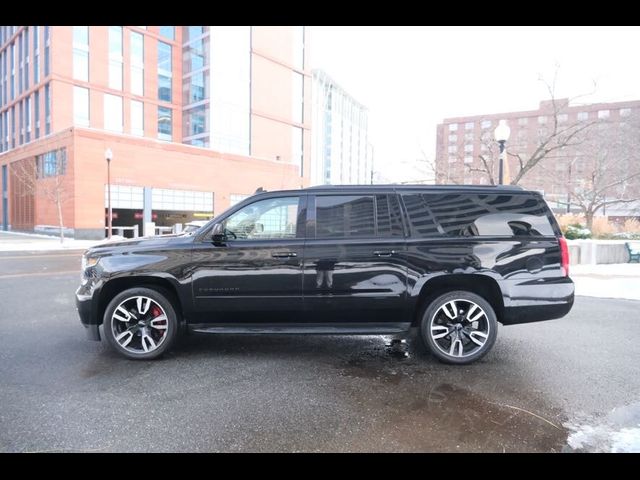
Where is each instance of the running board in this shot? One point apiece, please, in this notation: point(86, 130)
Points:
point(302, 328)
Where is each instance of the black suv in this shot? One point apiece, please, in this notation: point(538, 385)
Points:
point(451, 260)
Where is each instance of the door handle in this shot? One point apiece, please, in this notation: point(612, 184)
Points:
point(284, 254)
point(384, 253)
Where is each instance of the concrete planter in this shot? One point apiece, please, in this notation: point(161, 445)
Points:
point(597, 251)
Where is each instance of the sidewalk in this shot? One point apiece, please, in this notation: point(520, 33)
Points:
point(615, 280)
point(15, 242)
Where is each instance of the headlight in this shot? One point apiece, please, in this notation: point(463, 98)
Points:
point(88, 262)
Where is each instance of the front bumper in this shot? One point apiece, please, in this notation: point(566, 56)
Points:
point(87, 310)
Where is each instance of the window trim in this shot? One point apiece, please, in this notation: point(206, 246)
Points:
point(301, 226)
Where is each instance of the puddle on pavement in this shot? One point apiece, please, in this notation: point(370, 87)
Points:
point(617, 432)
point(417, 411)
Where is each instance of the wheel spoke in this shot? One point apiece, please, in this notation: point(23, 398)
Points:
point(456, 344)
point(143, 304)
point(478, 341)
point(124, 338)
point(478, 316)
point(122, 314)
point(146, 338)
point(454, 312)
point(444, 331)
point(155, 323)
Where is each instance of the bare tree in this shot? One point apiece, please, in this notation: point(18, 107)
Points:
point(556, 134)
point(608, 168)
point(43, 177)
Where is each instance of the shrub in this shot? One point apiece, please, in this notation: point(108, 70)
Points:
point(631, 225)
point(577, 232)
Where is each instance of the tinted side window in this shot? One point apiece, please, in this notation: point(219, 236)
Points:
point(388, 216)
point(463, 215)
point(344, 216)
point(268, 219)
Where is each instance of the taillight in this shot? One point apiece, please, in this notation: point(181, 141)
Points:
point(564, 256)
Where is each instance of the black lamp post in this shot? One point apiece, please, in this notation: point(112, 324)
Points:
point(108, 155)
point(501, 135)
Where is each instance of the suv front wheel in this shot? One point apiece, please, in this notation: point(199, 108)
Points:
point(140, 323)
point(459, 327)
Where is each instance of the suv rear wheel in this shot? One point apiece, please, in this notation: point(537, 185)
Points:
point(140, 323)
point(459, 327)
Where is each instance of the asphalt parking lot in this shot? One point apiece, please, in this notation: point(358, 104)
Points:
point(535, 392)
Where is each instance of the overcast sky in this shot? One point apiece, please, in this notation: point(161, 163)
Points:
point(411, 78)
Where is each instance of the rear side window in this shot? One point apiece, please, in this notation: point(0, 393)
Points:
point(340, 216)
point(353, 216)
point(464, 215)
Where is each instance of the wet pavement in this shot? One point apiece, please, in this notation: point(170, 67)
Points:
point(563, 385)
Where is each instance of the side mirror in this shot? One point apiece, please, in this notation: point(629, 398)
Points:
point(217, 234)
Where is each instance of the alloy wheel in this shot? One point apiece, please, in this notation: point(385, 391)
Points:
point(139, 325)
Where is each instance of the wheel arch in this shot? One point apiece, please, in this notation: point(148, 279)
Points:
point(483, 285)
point(117, 285)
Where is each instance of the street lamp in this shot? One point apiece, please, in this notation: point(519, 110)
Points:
point(108, 155)
point(501, 135)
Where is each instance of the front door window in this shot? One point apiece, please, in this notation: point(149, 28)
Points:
point(270, 219)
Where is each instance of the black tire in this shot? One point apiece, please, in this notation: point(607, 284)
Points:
point(433, 314)
point(124, 299)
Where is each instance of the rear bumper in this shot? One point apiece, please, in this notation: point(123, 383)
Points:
point(536, 300)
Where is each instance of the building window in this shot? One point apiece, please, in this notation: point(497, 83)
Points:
point(81, 53)
point(164, 72)
point(196, 87)
point(194, 31)
point(137, 118)
point(196, 55)
point(52, 163)
point(47, 109)
point(113, 113)
point(297, 148)
point(486, 124)
point(468, 137)
point(196, 121)
point(21, 123)
point(115, 57)
point(468, 159)
point(137, 63)
point(453, 149)
point(468, 148)
point(36, 54)
point(36, 113)
point(298, 47)
point(523, 121)
point(453, 138)
point(27, 119)
point(164, 123)
point(13, 127)
point(469, 126)
point(47, 49)
point(602, 114)
point(453, 159)
point(25, 49)
point(563, 117)
point(20, 62)
point(625, 112)
point(453, 127)
point(583, 115)
point(168, 32)
point(12, 65)
point(81, 106)
point(542, 119)
point(297, 114)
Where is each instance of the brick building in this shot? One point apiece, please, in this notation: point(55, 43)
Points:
point(196, 117)
point(462, 141)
